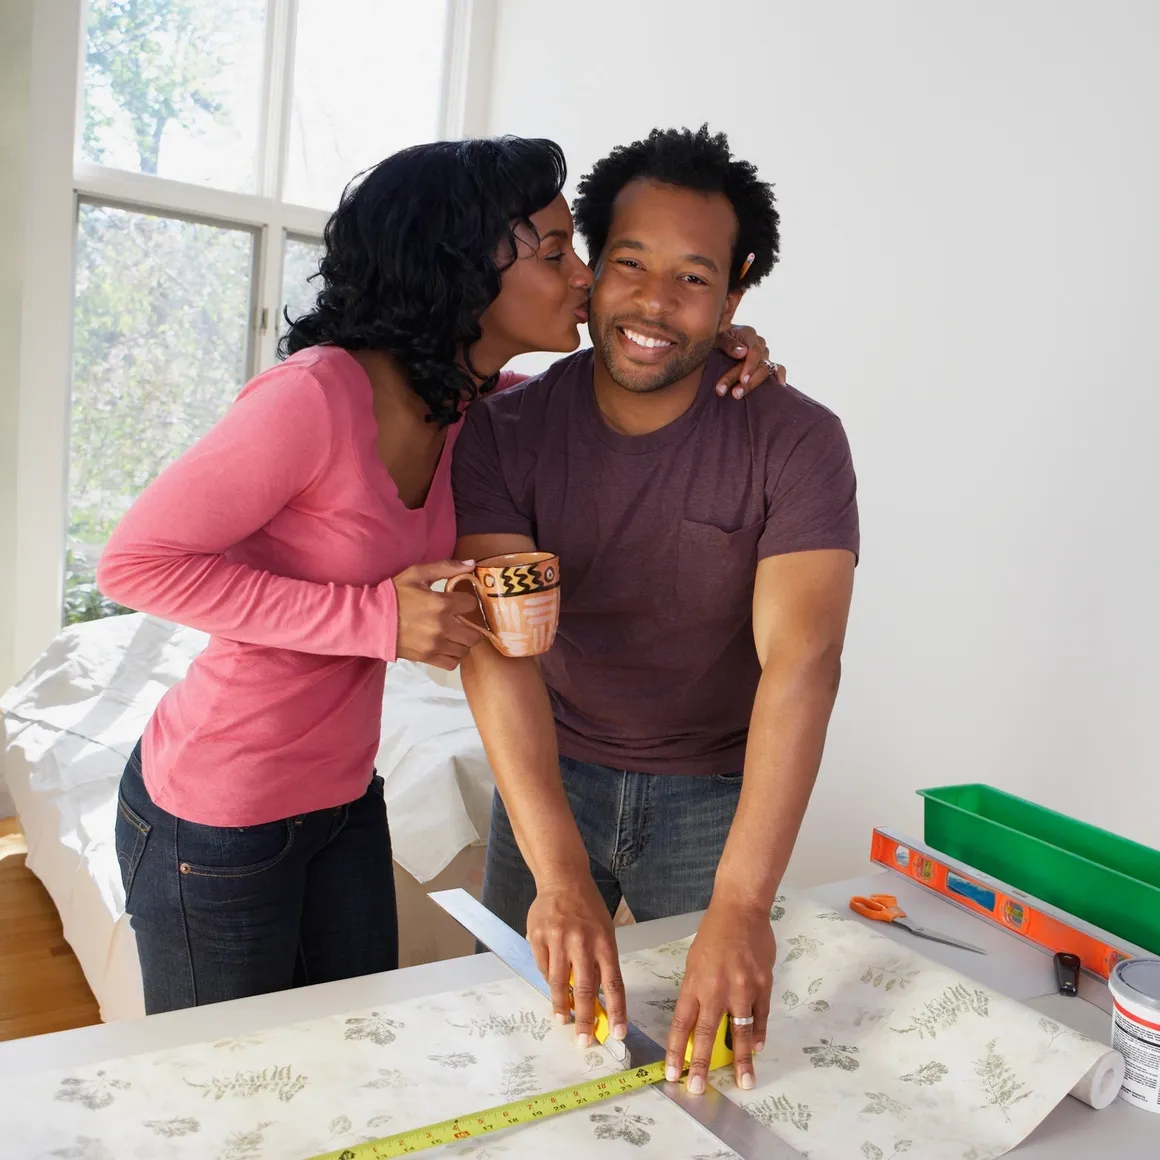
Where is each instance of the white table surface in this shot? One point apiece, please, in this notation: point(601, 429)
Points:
point(1012, 966)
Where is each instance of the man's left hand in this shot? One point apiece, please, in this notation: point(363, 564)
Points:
point(754, 365)
point(729, 970)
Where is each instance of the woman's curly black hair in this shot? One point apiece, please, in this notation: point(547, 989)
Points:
point(414, 254)
point(689, 160)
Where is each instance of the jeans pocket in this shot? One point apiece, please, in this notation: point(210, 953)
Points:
point(131, 833)
point(233, 851)
point(733, 779)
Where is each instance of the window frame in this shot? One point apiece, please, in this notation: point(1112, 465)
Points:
point(58, 181)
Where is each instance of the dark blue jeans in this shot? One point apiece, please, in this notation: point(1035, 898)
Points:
point(225, 912)
point(652, 839)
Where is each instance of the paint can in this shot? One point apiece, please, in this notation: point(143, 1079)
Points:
point(1135, 988)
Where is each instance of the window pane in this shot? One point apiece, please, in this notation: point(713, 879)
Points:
point(368, 80)
point(159, 352)
point(173, 87)
point(300, 258)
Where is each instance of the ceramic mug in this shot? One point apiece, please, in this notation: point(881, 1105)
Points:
point(519, 595)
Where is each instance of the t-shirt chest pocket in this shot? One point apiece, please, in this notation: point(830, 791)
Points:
point(716, 569)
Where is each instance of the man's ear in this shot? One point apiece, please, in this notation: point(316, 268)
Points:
point(732, 301)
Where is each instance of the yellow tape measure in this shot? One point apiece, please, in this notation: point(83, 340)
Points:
point(565, 1099)
point(504, 1116)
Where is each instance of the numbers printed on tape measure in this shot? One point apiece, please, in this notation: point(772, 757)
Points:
point(503, 1116)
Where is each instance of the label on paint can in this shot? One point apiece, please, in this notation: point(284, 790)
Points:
point(1135, 988)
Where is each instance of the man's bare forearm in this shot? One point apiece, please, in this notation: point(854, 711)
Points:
point(787, 734)
point(510, 704)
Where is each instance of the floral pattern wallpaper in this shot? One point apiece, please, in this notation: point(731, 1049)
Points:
point(876, 1051)
point(873, 1052)
point(303, 1090)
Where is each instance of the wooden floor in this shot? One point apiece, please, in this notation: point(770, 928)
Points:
point(41, 985)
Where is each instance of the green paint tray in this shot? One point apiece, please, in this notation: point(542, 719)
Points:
point(1096, 875)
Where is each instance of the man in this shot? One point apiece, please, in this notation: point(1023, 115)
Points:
point(665, 749)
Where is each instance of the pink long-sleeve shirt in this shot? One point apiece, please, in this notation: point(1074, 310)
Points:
point(278, 534)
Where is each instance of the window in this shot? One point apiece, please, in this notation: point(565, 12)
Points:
point(300, 258)
point(215, 138)
point(160, 347)
point(340, 125)
point(173, 88)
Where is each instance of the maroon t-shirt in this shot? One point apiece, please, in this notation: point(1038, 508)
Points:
point(654, 668)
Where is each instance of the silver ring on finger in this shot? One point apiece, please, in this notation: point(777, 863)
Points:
point(768, 362)
point(747, 1021)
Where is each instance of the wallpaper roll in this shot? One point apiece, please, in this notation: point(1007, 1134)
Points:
point(1101, 1084)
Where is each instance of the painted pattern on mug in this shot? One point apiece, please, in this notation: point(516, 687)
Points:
point(521, 579)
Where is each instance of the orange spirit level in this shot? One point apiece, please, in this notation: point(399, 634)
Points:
point(1017, 913)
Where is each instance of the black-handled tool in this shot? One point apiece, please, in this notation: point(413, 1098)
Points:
point(1067, 973)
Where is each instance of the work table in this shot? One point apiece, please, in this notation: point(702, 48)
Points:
point(1012, 967)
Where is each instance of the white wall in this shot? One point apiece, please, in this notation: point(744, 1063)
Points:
point(15, 62)
point(15, 66)
point(38, 91)
point(970, 267)
point(38, 68)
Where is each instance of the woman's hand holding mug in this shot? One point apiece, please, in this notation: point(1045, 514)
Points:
point(433, 627)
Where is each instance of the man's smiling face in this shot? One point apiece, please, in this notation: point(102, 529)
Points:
point(662, 284)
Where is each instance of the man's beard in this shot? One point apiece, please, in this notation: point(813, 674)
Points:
point(642, 380)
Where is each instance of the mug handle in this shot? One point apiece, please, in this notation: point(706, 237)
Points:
point(473, 580)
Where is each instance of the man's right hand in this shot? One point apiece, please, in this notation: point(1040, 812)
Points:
point(430, 628)
point(571, 934)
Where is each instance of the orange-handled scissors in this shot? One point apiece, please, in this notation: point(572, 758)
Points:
point(885, 908)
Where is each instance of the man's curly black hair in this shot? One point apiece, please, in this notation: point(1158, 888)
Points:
point(689, 160)
point(410, 261)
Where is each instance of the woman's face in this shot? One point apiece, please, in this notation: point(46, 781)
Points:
point(543, 297)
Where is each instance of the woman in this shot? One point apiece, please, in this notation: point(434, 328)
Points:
point(303, 533)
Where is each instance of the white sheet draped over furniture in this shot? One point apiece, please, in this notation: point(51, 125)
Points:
point(72, 721)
